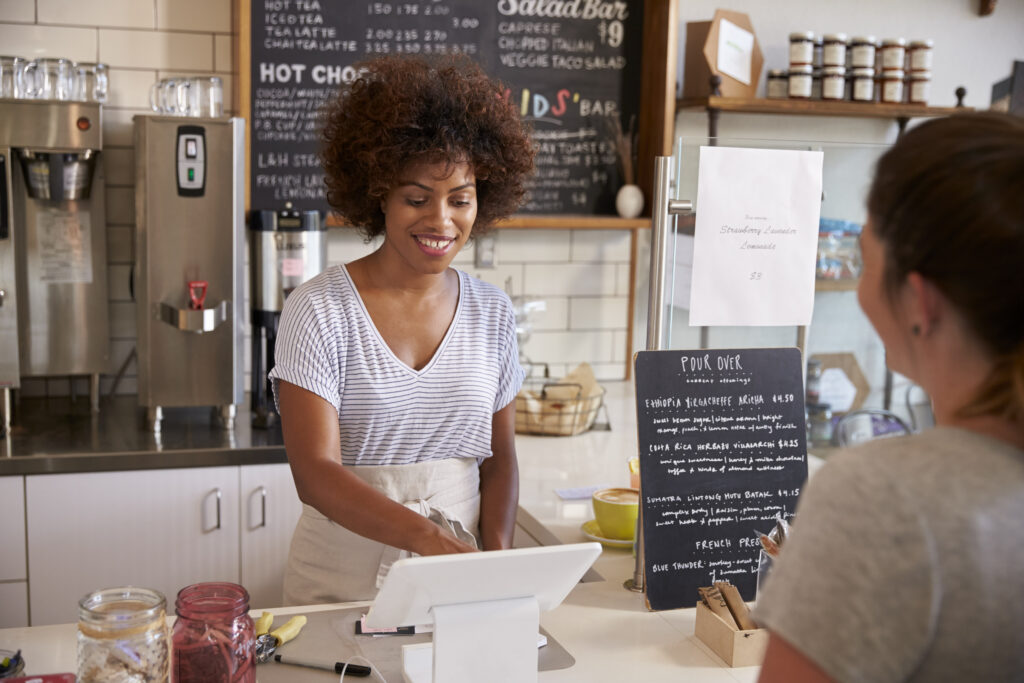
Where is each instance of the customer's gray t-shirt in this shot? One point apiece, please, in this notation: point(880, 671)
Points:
point(906, 562)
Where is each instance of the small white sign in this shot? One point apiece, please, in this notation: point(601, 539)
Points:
point(756, 236)
point(837, 390)
point(735, 51)
point(65, 246)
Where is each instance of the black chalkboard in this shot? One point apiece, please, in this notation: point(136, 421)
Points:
point(568, 65)
point(723, 451)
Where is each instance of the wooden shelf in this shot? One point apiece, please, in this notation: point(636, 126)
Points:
point(879, 110)
point(580, 222)
point(822, 285)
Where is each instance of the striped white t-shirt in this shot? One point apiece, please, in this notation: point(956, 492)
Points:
point(388, 413)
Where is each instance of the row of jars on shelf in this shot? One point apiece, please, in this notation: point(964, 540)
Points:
point(53, 78)
point(893, 86)
point(861, 52)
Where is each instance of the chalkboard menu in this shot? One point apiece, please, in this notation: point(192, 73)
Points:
point(569, 66)
point(723, 452)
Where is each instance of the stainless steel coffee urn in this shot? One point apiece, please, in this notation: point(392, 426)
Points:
point(286, 248)
point(189, 264)
point(53, 246)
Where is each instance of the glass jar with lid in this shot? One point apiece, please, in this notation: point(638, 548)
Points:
point(894, 51)
point(833, 83)
point(834, 51)
point(801, 48)
point(863, 89)
point(123, 635)
point(892, 85)
point(777, 84)
point(919, 87)
point(819, 424)
point(801, 81)
point(921, 54)
point(214, 636)
point(862, 52)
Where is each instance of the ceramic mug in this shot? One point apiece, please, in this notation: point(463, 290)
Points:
point(616, 510)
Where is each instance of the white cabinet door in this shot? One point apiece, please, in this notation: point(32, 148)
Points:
point(12, 529)
point(13, 604)
point(270, 510)
point(160, 529)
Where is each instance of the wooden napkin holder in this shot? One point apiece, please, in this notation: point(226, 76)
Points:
point(735, 647)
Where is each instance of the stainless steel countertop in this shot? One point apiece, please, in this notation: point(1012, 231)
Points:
point(56, 435)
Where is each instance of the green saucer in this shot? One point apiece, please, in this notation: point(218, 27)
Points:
point(592, 531)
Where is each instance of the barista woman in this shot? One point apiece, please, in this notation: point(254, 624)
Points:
point(905, 562)
point(396, 374)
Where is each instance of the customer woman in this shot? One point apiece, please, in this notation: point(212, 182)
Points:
point(395, 374)
point(906, 561)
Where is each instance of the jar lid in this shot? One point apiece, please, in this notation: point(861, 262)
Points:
point(835, 70)
point(800, 69)
point(864, 72)
point(864, 40)
point(892, 73)
point(801, 35)
point(894, 42)
point(926, 43)
point(777, 73)
point(835, 37)
point(920, 75)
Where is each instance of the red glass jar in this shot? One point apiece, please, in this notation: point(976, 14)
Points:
point(214, 637)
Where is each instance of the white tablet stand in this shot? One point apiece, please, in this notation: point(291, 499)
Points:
point(485, 608)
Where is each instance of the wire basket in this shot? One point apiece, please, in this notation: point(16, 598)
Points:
point(557, 409)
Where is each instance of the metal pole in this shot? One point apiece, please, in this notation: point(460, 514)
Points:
point(661, 210)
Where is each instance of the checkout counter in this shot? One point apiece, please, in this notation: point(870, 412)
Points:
point(604, 627)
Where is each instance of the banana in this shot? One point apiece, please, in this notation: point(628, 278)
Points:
point(290, 629)
point(263, 623)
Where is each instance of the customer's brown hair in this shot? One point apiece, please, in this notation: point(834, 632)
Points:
point(402, 110)
point(947, 202)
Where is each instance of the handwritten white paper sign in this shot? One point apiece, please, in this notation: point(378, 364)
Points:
point(756, 236)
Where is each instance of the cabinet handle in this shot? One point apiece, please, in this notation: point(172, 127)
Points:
point(263, 506)
point(215, 492)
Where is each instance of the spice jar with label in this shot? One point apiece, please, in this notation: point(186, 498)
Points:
point(919, 87)
point(862, 52)
point(801, 48)
point(819, 424)
point(834, 50)
point(214, 636)
point(892, 85)
point(863, 89)
point(778, 84)
point(920, 55)
point(123, 635)
point(833, 84)
point(894, 51)
point(800, 81)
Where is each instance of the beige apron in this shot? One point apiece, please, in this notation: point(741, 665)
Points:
point(328, 563)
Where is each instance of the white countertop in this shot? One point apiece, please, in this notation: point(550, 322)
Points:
point(606, 627)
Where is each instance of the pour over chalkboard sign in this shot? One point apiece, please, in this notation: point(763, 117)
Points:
point(723, 452)
point(569, 66)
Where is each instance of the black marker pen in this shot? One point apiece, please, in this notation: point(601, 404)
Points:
point(336, 667)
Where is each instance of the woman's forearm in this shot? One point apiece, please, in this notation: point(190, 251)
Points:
point(499, 484)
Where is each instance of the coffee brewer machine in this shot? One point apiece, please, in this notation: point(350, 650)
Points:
point(286, 248)
point(189, 261)
point(53, 246)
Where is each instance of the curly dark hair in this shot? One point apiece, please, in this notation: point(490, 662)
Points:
point(402, 110)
